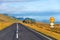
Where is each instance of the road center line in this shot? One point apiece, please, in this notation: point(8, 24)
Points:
point(17, 31)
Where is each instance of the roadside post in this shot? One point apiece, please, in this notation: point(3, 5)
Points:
point(52, 19)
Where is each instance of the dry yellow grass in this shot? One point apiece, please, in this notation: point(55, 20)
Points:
point(44, 28)
point(47, 27)
point(4, 25)
point(6, 18)
point(6, 21)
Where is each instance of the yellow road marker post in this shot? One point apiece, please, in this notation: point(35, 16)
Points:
point(52, 19)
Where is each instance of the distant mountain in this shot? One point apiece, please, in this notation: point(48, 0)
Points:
point(47, 21)
point(20, 18)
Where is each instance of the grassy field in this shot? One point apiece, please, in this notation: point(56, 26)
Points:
point(4, 25)
point(6, 21)
point(45, 29)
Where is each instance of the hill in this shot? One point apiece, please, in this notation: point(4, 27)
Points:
point(5, 18)
point(6, 21)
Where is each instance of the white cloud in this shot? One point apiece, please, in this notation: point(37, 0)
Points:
point(17, 0)
point(34, 6)
point(11, 7)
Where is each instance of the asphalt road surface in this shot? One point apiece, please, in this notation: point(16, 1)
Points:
point(24, 33)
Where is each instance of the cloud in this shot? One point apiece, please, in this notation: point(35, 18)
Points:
point(17, 0)
point(36, 9)
point(32, 6)
point(11, 7)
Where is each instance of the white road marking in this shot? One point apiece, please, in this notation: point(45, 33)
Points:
point(40, 34)
point(17, 31)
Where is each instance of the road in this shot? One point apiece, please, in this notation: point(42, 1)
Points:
point(24, 33)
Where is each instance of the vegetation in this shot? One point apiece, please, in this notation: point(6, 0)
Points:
point(29, 20)
point(45, 29)
point(46, 26)
point(6, 21)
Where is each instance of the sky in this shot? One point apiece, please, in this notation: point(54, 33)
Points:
point(37, 9)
